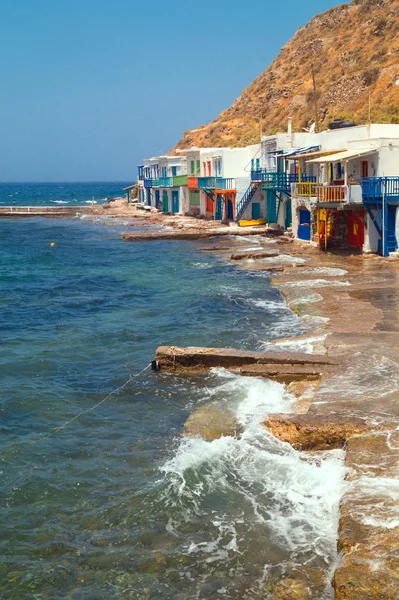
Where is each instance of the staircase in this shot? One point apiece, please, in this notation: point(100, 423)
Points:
point(246, 199)
point(392, 244)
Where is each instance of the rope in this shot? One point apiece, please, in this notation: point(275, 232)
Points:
point(83, 412)
point(57, 429)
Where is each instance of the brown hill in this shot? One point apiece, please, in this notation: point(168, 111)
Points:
point(353, 51)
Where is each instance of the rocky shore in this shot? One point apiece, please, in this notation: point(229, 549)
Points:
point(347, 303)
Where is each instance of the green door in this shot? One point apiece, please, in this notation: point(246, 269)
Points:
point(255, 210)
point(165, 203)
point(219, 208)
point(271, 213)
point(288, 214)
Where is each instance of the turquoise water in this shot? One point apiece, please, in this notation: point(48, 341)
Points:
point(58, 194)
point(118, 504)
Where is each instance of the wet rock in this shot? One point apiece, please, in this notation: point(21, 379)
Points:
point(302, 584)
point(285, 373)
point(271, 269)
point(255, 255)
point(315, 432)
point(211, 422)
point(362, 582)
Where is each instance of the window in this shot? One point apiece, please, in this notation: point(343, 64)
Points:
point(198, 167)
point(204, 168)
point(218, 168)
point(174, 171)
point(209, 168)
point(192, 167)
point(163, 171)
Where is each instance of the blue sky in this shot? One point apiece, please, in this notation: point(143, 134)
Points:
point(90, 87)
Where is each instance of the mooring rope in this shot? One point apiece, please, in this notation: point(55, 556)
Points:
point(83, 412)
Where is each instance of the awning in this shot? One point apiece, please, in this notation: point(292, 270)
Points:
point(346, 155)
point(298, 151)
point(316, 154)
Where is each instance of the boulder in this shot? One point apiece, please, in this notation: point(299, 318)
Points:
point(211, 422)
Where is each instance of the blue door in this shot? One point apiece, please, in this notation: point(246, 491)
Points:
point(156, 198)
point(230, 210)
point(175, 201)
point(304, 225)
point(255, 210)
point(149, 197)
point(219, 208)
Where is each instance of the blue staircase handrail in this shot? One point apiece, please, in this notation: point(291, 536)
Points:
point(243, 203)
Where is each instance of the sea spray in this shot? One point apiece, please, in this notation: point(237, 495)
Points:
point(252, 502)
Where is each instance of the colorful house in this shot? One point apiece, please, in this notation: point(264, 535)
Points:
point(216, 177)
point(352, 196)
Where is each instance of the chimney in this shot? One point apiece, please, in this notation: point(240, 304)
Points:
point(289, 130)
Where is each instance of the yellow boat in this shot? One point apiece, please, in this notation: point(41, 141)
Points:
point(252, 223)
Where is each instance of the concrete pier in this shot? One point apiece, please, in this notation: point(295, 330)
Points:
point(193, 234)
point(7, 212)
point(282, 366)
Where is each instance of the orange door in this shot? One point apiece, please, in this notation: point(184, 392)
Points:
point(209, 205)
point(365, 168)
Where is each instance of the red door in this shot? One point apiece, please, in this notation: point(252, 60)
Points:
point(356, 228)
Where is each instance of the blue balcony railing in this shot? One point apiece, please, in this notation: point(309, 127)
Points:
point(375, 188)
point(166, 182)
point(206, 183)
point(225, 183)
point(256, 175)
point(282, 181)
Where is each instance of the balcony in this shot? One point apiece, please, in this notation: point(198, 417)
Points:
point(306, 189)
point(147, 182)
point(374, 189)
point(180, 180)
point(282, 181)
point(332, 193)
point(256, 175)
point(165, 182)
point(223, 183)
point(192, 183)
point(206, 183)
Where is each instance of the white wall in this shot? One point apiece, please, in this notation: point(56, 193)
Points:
point(371, 236)
point(259, 196)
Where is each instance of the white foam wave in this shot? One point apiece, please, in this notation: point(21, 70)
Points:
point(59, 201)
point(269, 305)
point(267, 489)
point(285, 258)
point(317, 283)
point(326, 271)
point(306, 299)
point(308, 345)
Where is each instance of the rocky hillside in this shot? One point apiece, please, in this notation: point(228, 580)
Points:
point(353, 51)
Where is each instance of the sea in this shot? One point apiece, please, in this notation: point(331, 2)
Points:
point(104, 497)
